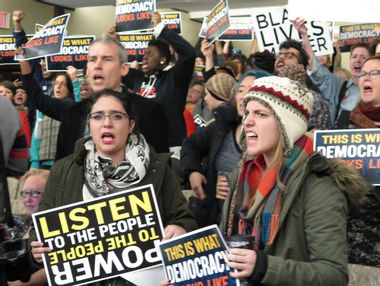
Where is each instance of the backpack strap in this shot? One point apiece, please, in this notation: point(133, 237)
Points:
point(342, 93)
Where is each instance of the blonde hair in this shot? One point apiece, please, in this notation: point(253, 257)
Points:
point(33, 172)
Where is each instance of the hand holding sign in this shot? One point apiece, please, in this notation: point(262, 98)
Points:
point(17, 16)
point(38, 250)
point(299, 24)
point(156, 18)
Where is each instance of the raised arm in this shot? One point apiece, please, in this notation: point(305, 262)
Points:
point(299, 24)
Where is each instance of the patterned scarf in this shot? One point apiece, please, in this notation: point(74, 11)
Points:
point(365, 116)
point(101, 177)
point(260, 196)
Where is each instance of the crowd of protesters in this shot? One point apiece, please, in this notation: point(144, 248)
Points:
point(236, 130)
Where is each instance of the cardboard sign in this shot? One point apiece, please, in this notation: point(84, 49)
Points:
point(101, 238)
point(359, 33)
point(48, 41)
point(359, 148)
point(241, 29)
point(134, 15)
point(197, 258)
point(272, 27)
point(8, 49)
point(218, 21)
point(73, 53)
point(135, 45)
point(172, 20)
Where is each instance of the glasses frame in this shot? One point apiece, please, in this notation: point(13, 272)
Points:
point(111, 115)
point(30, 192)
point(373, 74)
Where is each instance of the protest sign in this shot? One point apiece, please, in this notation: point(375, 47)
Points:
point(48, 41)
point(134, 15)
point(203, 31)
point(272, 27)
point(135, 45)
point(359, 148)
point(101, 238)
point(357, 34)
point(74, 53)
point(241, 29)
point(218, 21)
point(197, 258)
point(172, 20)
point(8, 49)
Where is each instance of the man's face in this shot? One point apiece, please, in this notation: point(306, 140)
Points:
point(357, 58)
point(104, 68)
point(287, 57)
point(32, 191)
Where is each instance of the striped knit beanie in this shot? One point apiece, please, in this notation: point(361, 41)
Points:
point(221, 86)
point(290, 102)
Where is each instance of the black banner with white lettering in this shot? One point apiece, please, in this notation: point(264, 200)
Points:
point(47, 41)
point(101, 238)
point(134, 15)
point(73, 53)
point(135, 45)
point(218, 21)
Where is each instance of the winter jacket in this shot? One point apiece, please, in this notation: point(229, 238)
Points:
point(310, 247)
point(199, 152)
point(168, 87)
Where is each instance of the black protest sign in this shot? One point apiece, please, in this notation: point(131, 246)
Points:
point(134, 15)
point(358, 34)
point(218, 21)
point(8, 49)
point(172, 20)
point(101, 238)
point(358, 148)
point(272, 27)
point(74, 53)
point(47, 41)
point(135, 45)
point(241, 29)
point(197, 258)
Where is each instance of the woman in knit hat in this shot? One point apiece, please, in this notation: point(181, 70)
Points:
point(288, 201)
point(215, 149)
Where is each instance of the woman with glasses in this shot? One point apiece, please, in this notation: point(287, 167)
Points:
point(114, 158)
point(364, 225)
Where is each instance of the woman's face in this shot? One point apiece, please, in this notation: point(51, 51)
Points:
point(369, 86)
point(262, 131)
point(60, 87)
point(110, 127)
point(20, 97)
point(151, 60)
point(244, 86)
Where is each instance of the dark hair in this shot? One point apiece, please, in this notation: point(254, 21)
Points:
point(290, 43)
point(163, 48)
point(9, 85)
point(359, 45)
point(69, 83)
point(262, 60)
point(124, 100)
point(373, 46)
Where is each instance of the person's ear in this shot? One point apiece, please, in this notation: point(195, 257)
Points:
point(132, 124)
point(124, 69)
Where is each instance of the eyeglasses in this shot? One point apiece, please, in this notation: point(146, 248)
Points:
point(83, 80)
point(286, 55)
point(31, 192)
point(113, 115)
point(373, 74)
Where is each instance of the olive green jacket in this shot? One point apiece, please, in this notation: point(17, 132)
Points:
point(310, 247)
point(66, 181)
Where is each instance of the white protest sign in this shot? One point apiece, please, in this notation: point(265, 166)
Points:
point(272, 27)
